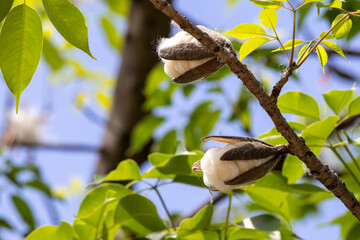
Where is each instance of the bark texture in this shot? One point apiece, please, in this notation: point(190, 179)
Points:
point(145, 26)
point(297, 145)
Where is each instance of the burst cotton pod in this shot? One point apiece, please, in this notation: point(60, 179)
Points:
point(186, 59)
point(241, 161)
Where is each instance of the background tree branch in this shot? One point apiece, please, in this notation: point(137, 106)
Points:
point(146, 26)
point(297, 145)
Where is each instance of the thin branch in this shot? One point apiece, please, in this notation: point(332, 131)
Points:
point(166, 209)
point(297, 145)
point(347, 150)
point(58, 146)
point(293, 38)
point(227, 217)
point(322, 38)
point(283, 80)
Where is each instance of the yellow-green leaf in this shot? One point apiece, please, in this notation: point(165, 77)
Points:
point(20, 43)
point(104, 100)
point(343, 28)
point(333, 46)
point(337, 99)
point(69, 22)
point(288, 45)
point(272, 4)
point(322, 56)
point(268, 17)
point(246, 30)
point(126, 170)
point(62, 232)
point(300, 104)
point(113, 37)
point(303, 51)
point(354, 107)
point(250, 45)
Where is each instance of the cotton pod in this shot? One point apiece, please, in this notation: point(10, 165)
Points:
point(242, 161)
point(186, 59)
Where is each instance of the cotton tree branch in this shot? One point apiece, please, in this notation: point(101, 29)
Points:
point(297, 145)
point(279, 85)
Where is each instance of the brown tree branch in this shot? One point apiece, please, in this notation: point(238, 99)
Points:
point(297, 145)
point(279, 85)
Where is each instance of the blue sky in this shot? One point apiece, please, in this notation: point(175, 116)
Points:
point(68, 125)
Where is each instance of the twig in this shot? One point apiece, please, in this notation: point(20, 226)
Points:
point(58, 147)
point(297, 145)
point(283, 80)
point(166, 209)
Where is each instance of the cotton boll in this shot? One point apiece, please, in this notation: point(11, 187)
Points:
point(25, 127)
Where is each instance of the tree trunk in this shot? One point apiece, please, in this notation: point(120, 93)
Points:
point(145, 26)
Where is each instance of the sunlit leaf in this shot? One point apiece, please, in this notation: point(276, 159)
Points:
point(333, 46)
point(62, 232)
point(5, 6)
point(20, 44)
point(337, 99)
point(321, 129)
point(24, 211)
point(322, 56)
point(343, 28)
point(139, 214)
point(200, 221)
point(288, 45)
point(354, 107)
point(121, 7)
point(303, 52)
point(126, 170)
point(310, 1)
point(293, 169)
point(246, 30)
point(247, 233)
point(268, 17)
point(333, 4)
point(300, 104)
point(69, 22)
point(250, 45)
point(143, 132)
point(104, 100)
point(272, 4)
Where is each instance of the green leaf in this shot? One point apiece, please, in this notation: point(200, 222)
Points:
point(139, 214)
point(300, 104)
point(20, 44)
point(121, 7)
point(51, 55)
point(206, 235)
point(69, 22)
point(333, 46)
point(62, 232)
point(265, 222)
point(113, 37)
point(5, 6)
point(246, 30)
point(337, 99)
point(322, 56)
point(293, 169)
point(272, 4)
point(273, 137)
point(168, 142)
point(268, 18)
point(200, 221)
point(202, 121)
point(97, 196)
point(303, 52)
point(24, 211)
point(335, 4)
point(354, 107)
point(5, 224)
point(343, 28)
point(37, 184)
point(126, 170)
point(321, 129)
point(288, 45)
point(310, 1)
point(143, 132)
point(247, 233)
point(250, 45)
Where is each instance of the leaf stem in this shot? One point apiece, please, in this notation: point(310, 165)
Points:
point(166, 209)
point(348, 150)
point(293, 38)
point(322, 38)
point(227, 218)
point(344, 163)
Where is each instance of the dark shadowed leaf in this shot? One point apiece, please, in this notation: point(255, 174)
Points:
point(24, 211)
point(5, 6)
point(51, 55)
